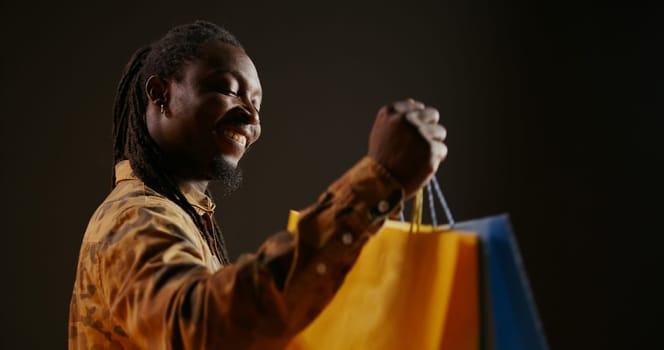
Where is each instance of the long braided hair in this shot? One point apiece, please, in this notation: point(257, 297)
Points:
point(131, 139)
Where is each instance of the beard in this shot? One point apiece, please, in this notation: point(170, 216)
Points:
point(228, 175)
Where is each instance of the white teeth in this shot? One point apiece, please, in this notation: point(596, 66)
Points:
point(239, 138)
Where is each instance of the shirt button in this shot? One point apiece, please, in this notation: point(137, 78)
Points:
point(383, 206)
point(321, 268)
point(347, 238)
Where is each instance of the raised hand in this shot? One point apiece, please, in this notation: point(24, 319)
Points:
point(407, 140)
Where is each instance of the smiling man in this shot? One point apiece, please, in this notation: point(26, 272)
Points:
point(153, 270)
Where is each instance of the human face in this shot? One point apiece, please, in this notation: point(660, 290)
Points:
point(212, 112)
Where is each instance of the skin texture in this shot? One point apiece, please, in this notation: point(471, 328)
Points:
point(407, 140)
point(219, 91)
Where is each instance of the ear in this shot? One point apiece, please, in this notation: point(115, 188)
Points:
point(157, 90)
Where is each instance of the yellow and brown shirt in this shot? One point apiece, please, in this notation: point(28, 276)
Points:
point(146, 279)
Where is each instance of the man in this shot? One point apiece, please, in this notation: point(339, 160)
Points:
point(153, 270)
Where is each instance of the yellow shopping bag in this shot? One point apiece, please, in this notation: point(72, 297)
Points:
point(413, 287)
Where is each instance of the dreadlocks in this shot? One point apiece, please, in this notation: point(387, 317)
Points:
point(131, 139)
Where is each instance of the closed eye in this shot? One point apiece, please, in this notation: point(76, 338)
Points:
point(229, 92)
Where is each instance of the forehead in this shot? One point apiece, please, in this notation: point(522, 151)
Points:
point(216, 58)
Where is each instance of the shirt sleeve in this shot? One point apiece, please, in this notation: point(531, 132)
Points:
point(163, 297)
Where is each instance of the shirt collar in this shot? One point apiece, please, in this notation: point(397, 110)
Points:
point(199, 200)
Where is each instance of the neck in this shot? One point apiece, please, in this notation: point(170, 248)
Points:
point(200, 185)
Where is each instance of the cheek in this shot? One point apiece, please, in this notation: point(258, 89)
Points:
point(212, 108)
point(197, 116)
point(194, 119)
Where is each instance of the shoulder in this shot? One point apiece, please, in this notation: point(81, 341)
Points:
point(133, 209)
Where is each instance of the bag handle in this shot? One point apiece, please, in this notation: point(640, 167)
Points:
point(418, 204)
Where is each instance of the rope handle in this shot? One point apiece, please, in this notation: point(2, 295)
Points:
point(418, 204)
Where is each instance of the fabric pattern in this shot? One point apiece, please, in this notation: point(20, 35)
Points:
point(146, 278)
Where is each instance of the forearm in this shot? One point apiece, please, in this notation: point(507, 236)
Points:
point(264, 299)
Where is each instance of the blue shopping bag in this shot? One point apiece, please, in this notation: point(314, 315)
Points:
point(510, 320)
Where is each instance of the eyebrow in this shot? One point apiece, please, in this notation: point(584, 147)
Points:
point(218, 71)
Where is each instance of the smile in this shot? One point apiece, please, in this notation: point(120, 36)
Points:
point(237, 137)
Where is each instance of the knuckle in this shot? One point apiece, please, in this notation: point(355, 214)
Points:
point(436, 115)
point(416, 103)
point(412, 116)
point(387, 109)
point(443, 151)
point(400, 106)
point(442, 132)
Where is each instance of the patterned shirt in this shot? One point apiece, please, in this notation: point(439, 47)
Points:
point(146, 278)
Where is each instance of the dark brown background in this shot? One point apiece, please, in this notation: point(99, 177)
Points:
point(551, 109)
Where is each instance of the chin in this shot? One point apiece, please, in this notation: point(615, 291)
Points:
point(227, 172)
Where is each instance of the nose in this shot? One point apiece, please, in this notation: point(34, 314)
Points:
point(250, 112)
